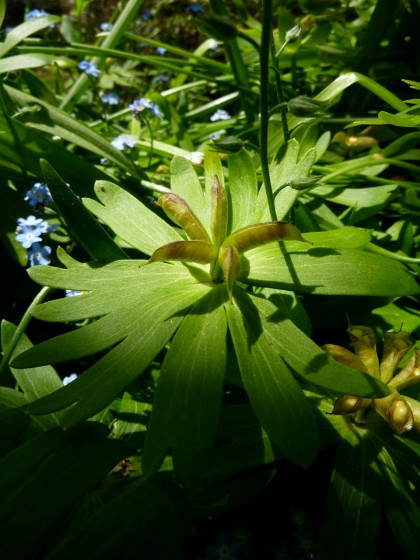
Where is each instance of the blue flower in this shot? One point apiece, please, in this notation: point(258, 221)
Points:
point(140, 105)
point(161, 51)
point(30, 221)
point(122, 141)
point(39, 195)
point(111, 98)
point(89, 68)
point(196, 8)
point(68, 379)
point(36, 14)
point(39, 254)
point(160, 78)
point(220, 115)
point(106, 26)
point(72, 293)
point(28, 237)
point(147, 14)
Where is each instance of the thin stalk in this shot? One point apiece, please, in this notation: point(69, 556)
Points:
point(21, 328)
point(264, 109)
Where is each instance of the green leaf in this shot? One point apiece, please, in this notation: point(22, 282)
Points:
point(130, 219)
point(12, 425)
point(149, 518)
point(55, 122)
point(403, 119)
point(82, 224)
point(141, 307)
point(341, 238)
point(356, 197)
point(187, 401)
point(242, 189)
point(241, 443)
point(319, 270)
point(43, 478)
point(24, 61)
point(34, 382)
point(401, 504)
point(2, 11)
point(276, 397)
point(185, 183)
point(308, 361)
point(24, 30)
point(352, 519)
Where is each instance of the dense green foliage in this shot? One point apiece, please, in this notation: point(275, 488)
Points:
point(196, 201)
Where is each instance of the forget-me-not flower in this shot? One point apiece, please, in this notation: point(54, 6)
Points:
point(195, 8)
point(123, 141)
point(39, 254)
point(161, 51)
point(89, 68)
point(147, 14)
point(39, 195)
point(110, 98)
point(28, 237)
point(106, 26)
point(160, 78)
point(36, 14)
point(220, 115)
point(140, 105)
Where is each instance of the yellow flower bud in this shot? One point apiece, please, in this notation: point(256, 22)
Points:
point(364, 343)
point(396, 411)
point(409, 375)
point(348, 404)
point(396, 345)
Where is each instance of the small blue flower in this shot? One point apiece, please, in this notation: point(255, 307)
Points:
point(123, 141)
point(68, 379)
point(28, 237)
point(30, 221)
point(111, 98)
point(72, 293)
point(89, 68)
point(160, 78)
point(36, 14)
point(196, 8)
point(147, 14)
point(161, 51)
point(39, 195)
point(106, 26)
point(39, 254)
point(140, 105)
point(220, 115)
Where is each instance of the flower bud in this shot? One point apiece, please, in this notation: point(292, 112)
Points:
point(396, 345)
point(396, 411)
point(348, 404)
point(364, 343)
point(189, 251)
point(293, 34)
point(409, 375)
point(344, 356)
point(305, 106)
point(250, 237)
point(177, 209)
point(219, 212)
point(227, 145)
point(229, 261)
point(305, 182)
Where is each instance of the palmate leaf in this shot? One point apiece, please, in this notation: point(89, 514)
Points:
point(189, 392)
point(326, 271)
point(276, 397)
point(140, 308)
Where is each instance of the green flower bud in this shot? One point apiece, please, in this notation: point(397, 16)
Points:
point(189, 251)
point(396, 411)
point(364, 342)
point(219, 212)
point(229, 260)
point(293, 34)
point(227, 145)
point(177, 209)
point(304, 106)
point(396, 345)
point(249, 237)
point(409, 375)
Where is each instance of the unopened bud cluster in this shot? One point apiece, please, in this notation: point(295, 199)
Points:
point(401, 412)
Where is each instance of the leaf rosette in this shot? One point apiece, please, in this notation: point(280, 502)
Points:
point(194, 300)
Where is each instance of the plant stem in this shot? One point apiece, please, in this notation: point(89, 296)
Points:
point(21, 328)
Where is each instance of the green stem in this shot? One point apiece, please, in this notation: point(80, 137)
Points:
point(372, 248)
point(264, 109)
point(21, 328)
